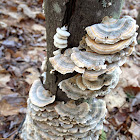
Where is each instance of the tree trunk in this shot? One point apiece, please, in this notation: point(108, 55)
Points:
point(138, 22)
point(80, 119)
point(77, 14)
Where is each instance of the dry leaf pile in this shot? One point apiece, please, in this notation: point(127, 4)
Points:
point(22, 49)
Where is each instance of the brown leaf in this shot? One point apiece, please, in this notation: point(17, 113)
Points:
point(12, 105)
point(130, 75)
point(120, 117)
point(4, 78)
point(34, 74)
point(135, 130)
point(116, 98)
point(136, 116)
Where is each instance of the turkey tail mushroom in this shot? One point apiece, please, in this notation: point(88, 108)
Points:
point(109, 48)
point(112, 30)
point(76, 91)
point(39, 96)
point(97, 61)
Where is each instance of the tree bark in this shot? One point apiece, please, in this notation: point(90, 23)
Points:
point(77, 14)
point(138, 22)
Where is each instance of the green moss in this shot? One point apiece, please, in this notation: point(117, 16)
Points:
point(103, 136)
point(117, 14)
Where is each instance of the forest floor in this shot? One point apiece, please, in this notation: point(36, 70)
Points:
point(22, 50)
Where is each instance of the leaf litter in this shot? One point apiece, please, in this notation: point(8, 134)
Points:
point(22, 49)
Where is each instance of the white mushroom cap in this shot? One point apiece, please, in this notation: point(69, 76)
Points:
point(39, 96)
point(57, 52)
point(109, 32)
point(60, 38)
point(63, 32)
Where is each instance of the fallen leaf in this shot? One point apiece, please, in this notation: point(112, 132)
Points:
point(120, 117)
point(27, 11)
point(38, 27)
point(4, 78)
point(135, 101)
point(34, 74)
point(1, 51)
point(135, 130)
point(116, 98)
point(136, 116)
point(12, 104)
point(130, 75)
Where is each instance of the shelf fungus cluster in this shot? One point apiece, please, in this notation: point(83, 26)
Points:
point(97, 62)
point(69, 121)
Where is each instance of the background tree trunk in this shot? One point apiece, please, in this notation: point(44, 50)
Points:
point(77, 14)
point(138, 22)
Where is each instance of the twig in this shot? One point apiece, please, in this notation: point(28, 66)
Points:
point(19, 128)
point(112, 116)
point(4, 139)
point(116, 133)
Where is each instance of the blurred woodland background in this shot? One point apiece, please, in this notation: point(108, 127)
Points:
point(22, 50)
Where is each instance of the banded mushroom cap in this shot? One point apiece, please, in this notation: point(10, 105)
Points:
point(64, 64)
point(39, 96)
point(111, 58)
point(84, 84)
point(48, 108)
point(109, 48)
point(98, 110)
point(111, 30)
point(73, 91)
point(94, 61)
point(104, 80)
point(92, 75)
point(60, 38)
point(86, 59)
point(130, 50)
point(70, 87)
point(80, 83)
point(42, 115)
point(84, 114)
point(71, 110)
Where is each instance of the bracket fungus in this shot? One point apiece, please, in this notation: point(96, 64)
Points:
point(87, 89)
point(73, 122)
point(97, 61)
point(109, 48)
point(112, 30)
point(63, 64)
point(39, 96)
point(60, 38)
